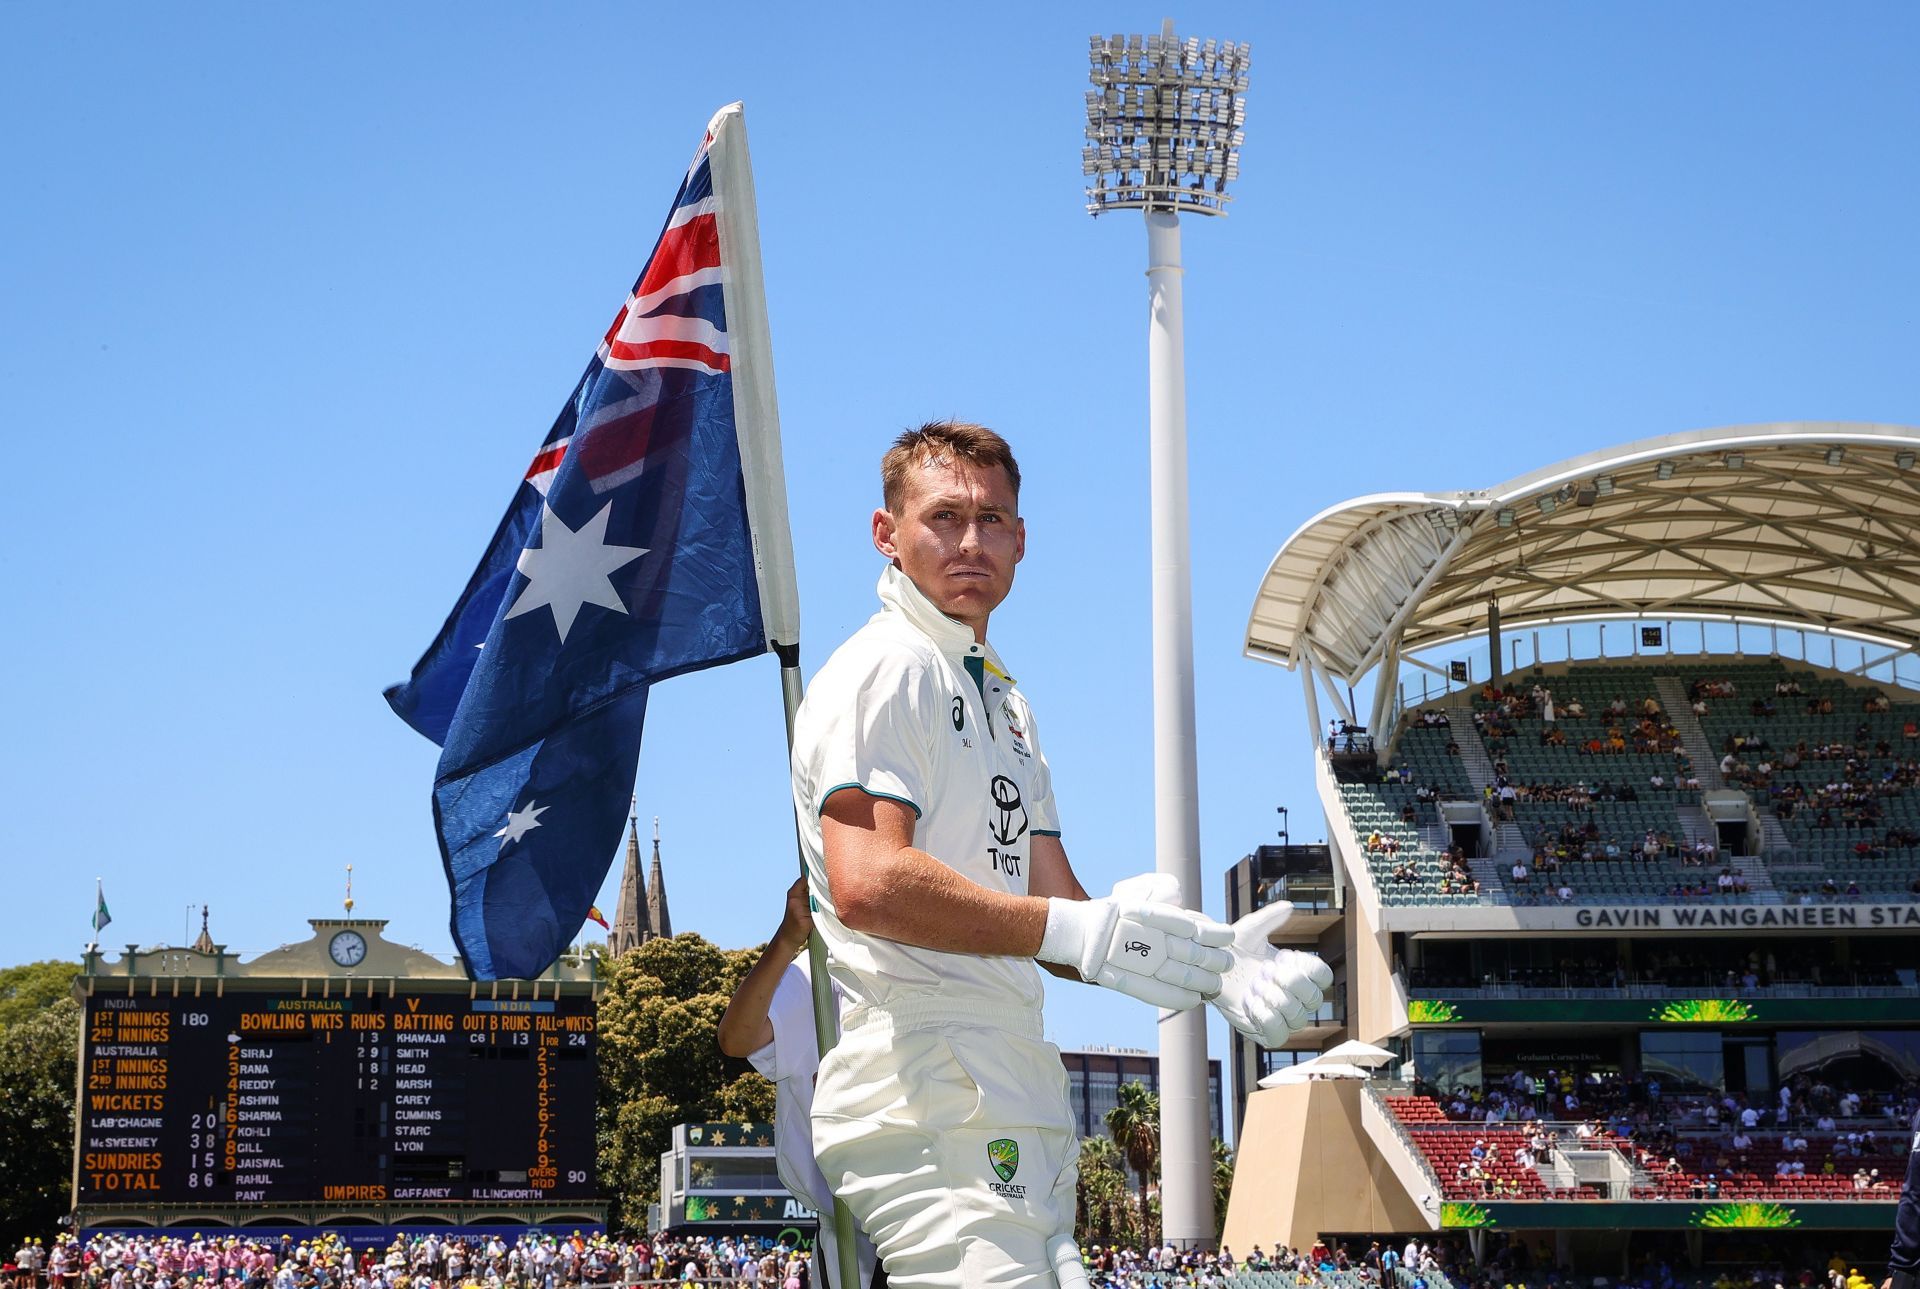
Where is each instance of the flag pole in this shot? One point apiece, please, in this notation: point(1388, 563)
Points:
point(756, 415)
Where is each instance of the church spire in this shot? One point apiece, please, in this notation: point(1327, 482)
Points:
point(205, 943)
point(630, 918)
point(658, 923)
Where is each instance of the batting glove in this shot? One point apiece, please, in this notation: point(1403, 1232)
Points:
point(1269, 993)
point(1138, 942)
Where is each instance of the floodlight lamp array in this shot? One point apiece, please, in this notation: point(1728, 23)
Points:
point(1164, 120)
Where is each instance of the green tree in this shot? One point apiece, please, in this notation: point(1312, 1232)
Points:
point(660, 1061)
point(26, 989)
point(39, 1061)
point(1222, 1185)
point(1134, 1124)
point(1104, 1213)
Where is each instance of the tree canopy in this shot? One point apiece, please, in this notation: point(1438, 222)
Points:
point(38, 1067)
point(660, 1062)
point(33, 986)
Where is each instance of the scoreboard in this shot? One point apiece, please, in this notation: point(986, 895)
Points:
point(262, 1098)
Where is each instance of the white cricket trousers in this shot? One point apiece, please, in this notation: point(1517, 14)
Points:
point(947, 1129)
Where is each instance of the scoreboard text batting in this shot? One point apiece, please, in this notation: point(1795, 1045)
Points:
point(271, 1099)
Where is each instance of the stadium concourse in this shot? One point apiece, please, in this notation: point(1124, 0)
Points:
point(1624, 870)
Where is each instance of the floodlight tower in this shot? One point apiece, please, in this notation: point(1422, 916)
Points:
point(1163, 137)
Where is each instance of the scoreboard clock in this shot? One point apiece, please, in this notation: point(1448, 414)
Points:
point(347, 948)
point(262, 1098)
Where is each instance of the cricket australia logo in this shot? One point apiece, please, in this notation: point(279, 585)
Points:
point(1004, 1155)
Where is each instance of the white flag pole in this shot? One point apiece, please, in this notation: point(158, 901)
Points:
point(756, 415)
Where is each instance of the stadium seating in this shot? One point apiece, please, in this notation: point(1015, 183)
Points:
point(1819, 864)
point(1749, 1174)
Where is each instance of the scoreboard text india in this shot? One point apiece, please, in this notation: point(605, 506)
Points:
point(261, 1098)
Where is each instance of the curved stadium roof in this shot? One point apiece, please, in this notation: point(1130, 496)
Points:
point(1811, 524)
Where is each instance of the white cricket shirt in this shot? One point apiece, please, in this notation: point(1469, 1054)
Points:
point(790, 1061)
point(913, 709)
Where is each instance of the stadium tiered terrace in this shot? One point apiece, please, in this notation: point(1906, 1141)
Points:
point(1664, 888)
point(1837, 791)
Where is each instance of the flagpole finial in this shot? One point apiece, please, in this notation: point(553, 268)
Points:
point(349, 899)
point(633, 814)
point(656, 832)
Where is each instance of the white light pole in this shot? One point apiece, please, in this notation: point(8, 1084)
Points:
point(1163, 136)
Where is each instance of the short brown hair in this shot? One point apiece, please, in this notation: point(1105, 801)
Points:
point(938, 441)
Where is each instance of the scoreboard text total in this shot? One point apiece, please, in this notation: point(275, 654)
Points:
point(272, 1099)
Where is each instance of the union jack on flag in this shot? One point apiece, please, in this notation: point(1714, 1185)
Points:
point(627, 555)
point(675, 316)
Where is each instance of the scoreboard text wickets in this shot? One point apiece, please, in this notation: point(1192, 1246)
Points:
point(270, 1099)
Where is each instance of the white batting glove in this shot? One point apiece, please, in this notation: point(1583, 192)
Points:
point(1269, 993)
point(1139, 943)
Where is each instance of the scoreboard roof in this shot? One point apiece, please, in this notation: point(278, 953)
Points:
point(1808, 524)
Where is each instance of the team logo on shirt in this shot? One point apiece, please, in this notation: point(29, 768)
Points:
point(1017, 735)
point(959, 713)
point(1004, 1155)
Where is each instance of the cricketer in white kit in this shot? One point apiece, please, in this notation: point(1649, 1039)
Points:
point(933, 853)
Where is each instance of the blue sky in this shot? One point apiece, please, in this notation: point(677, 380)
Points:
point(290, 295)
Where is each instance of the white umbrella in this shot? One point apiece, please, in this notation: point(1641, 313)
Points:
point(1354, 1052)
point(1314, 1069)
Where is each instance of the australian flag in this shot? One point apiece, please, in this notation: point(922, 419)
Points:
point(625, 557)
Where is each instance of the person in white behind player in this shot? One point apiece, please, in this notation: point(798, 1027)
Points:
point(934, 856)
point(769, 1021)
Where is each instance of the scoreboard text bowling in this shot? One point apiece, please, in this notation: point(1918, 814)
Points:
point(263, 1098)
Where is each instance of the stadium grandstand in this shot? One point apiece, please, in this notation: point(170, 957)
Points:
point(1622, 787)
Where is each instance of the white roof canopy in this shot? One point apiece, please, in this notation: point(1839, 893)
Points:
point(1807, 524)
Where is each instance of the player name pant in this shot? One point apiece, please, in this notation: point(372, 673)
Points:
point(948, 1131)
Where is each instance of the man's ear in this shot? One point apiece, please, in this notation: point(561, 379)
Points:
point(883, 533)
point(1019, 539)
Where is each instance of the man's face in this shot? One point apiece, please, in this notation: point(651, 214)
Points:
point(957, 537)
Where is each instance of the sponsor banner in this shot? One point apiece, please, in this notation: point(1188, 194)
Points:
point(705, 1209)
point(1654, 1215)
point(1663, 1011)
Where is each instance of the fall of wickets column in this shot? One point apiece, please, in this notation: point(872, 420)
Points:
point(544, 1174)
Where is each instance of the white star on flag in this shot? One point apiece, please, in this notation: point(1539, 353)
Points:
point(569, 568)
point(520, 823)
